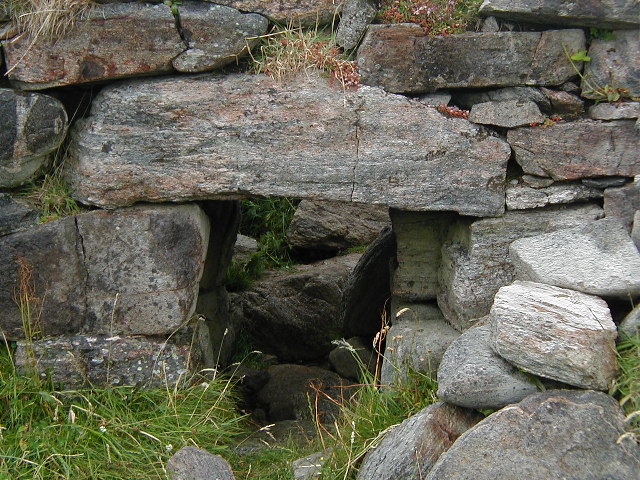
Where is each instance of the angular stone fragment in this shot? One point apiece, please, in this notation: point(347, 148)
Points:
point(605, 182)
point(410, 449)
point(192, 463)
point(508, 114)
point(224, 136)
point(630, 326)
point(610, 66)
point(216, 35)
point(335, 226)
point(472, 375)
point(244, 248)
point(585, 13)
point(615, 111)
point(416, 341)
point(635, 231)
point(521, 196)
point(468, 98)
point(475, 256)
point(103, 360)
point(580, 149)
point(111, 41)
point(351, 357)
point(564, 103)
point(623, 202)
point(32, 126)
point(290, 12)
point(555, 333)
point(402, 58)
point(600, 259)
point(558, 434)
point(354, 20)
point(16, 215)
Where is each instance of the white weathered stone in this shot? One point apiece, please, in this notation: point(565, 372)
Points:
point(522, 196)
point(600, 259)
point(555, 333)
point(508, 114)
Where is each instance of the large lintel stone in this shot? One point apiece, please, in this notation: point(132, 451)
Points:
point(215, 137)
point(402, 58)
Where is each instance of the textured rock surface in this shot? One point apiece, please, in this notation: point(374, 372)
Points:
point(635, 232)
point(231, 135)
point(475, 256)
point(468, 98)
point(623, 202)
point(615, 111)
point(130, 271)
point(16, 214)
point(215, 35)
point(472, 375)
point(631, 324)
point(296, 314)
point(113, 41)
point(367, 292)
point(572, 150)
point(294, 12)
point(564, 103)
point(509, 114)
point(309, 467)
point(555, 333)
point(192, 463)
point(401, 58)
point(410, 449)
point(335, 225)
point(101, 360)
point(558, 434)
point(416, 341)
point(610, 65)
point(600, 259)
point(585, 13)
point(354, 20)
point(32, 126)
point(349, 360)
point(522, 196)
point(419, 238)
point(244, 248)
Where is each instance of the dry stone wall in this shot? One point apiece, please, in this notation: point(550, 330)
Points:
point(514, 225)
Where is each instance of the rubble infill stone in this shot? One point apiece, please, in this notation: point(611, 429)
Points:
point(615, 111)
point(208, 136)
point(356, 17)
point(558, 434)
point(572, 150)
point(555, 333)
point(522, 196)
point(608, 14)
point(307, 13)
point(508, 114)
point(411, 448)
point(599, 259)
point(401, 58)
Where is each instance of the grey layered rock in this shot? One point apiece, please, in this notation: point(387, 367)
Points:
point(131, 271)
point(635, 232)
point(599, 258)
point(354, 20)
point(610, 65)
point(248, 134)
point(522, 196)
point(508, 114)
point(605, 182)
point(475, 256)
point(416, 341)
point(192, 463)
point(295, 314)
point(111, 41)
point(102, 360)
point(623, 202)
point(558, 434)
point(615, 111)
point(351, 357)
point(596, 149)
point(244, 248)
point(32, 127)
point(468, 99)
point(290, 12)
point(555, 333)
point(410, 449)
point(16, 214)
point(216, 35)
point(472, 375)
point(402, 58)
point(419, 238)
point(335, 225)
point(564, 103)
point(365, 298)
point(534, 181)
point(586, 13)
point(630, 326)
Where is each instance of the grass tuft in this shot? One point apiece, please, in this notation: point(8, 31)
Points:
point(45, 19)
point(627, 388)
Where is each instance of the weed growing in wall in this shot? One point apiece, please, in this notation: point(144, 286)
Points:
point(437, 17)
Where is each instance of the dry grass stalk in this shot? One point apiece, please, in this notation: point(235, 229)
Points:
point(46, 19)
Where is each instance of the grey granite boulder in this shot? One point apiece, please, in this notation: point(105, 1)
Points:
point(192, 463)
point(623, 202)
point(290, 12)
point(402, 58)
point(508, 114)
point(555, 333)
point(597, 149)
point(32, 127)
point(630, 326)
point(472, 375)
point(410, 449)
point(585, 13)
point(16, 214)
point(309, 467)
point(522, 196)
point(635, 232)
point(244, 248)
point(599, 258)
point(354, 20)
point(615, 111)
point(468, 98)
point(224, 136)
point(555, 435)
